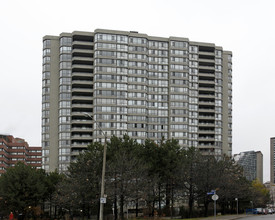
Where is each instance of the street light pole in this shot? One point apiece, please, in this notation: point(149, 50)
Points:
point(102, 200)
point(102, 197)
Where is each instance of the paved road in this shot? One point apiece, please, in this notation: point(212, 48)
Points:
point(242, 217)
point(264, 217)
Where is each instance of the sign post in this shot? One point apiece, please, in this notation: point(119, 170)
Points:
point(237, 206)
point(215, 197)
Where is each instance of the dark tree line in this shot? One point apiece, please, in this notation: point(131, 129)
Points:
point(155, 178)
point(23, 190)
point(147, 178)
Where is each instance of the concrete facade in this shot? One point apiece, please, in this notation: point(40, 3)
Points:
point(135, 84)
point(272, 160)
point(252, 163)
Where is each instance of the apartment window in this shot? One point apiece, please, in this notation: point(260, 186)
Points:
point(105, 37)
point(122, 55)
point(122, 63)
point(178, 67)
point(45, 113)
point(65, 88)
point(45, 129)
point(218, 68)
point(179, 127)
point(193, 71)
point(178, 111)
point(65, 96)
point(178, 82)
point(46, 52)
point(122, 39)
point(193, 107)
point(46, 43)
point(179, 134)
point(65, 73)
point(66, 41)
point(65, 57)
point(45, 144)
point(179, 89)
point(46, 67)
point(179, 97)
point(65, 49)
point(64, 119)
point(193, 49)
point(179, 44)
point(137, 48)
point(45, 98)
point(65, 81)
point(105, 46)
point(46, 75)
point(46, 59)
point(46, 82)
point(45, 90)
point(64, 158)
point(64, 112)
point(218, 53)
point(137, 40)
point(178, 59)
point(179, 74)
point(122, 47)
point(193, 64)
point(64, 151)
point(179, 52)
point(178, 104)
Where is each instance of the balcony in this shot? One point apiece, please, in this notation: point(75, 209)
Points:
point(83, 98)
point(207, 89)
point(83, 52)
point(82, 129)
point(206, 116)
point(76, 67)
point(79, 137)
point(207, 138)
point(83, 90)
point(80, 144)
point(206, 131)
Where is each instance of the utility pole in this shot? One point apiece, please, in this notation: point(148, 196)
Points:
point(102, 196)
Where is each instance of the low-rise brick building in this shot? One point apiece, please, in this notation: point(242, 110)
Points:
point(13, 150)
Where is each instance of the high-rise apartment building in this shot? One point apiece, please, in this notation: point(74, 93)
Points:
point(13, 150)
point(135, 84)
point(252, 163)
point(272, 160)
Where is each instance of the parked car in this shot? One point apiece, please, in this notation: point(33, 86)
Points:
point(259, 211)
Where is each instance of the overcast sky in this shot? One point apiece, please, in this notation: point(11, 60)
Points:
point(245, 27)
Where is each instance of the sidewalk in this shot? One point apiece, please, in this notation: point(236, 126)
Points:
point(225, 217)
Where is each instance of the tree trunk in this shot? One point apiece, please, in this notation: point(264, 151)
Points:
point(191, 201)
point(159, 198)
point(121, 207)
point(168, 195)
point(136, 208)
point(115, 207)
point(206, 204)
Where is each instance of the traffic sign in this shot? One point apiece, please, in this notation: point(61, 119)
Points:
point(103, 200)
point(212, 192)
point(215, 197)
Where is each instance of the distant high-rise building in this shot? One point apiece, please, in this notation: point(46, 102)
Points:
point(135, 84)
point(272, 160)
point(13, 150)
point(252, 163)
